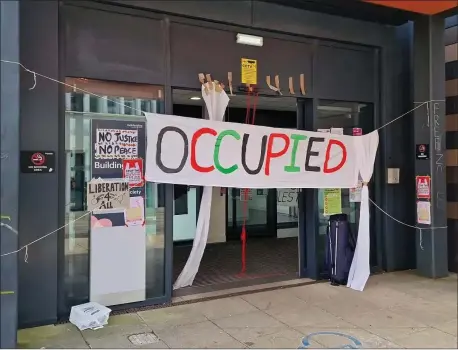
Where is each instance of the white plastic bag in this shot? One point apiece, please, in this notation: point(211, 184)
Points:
point(89, 316)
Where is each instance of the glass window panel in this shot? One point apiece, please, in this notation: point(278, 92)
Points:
point(81, 108)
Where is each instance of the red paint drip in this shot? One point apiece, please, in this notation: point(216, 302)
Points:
point(243, 235)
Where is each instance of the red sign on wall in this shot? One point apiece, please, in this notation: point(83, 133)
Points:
point(132, 170)
point(423, 185)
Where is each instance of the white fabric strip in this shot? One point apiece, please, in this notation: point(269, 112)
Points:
point(360, 266)
point(216, 103)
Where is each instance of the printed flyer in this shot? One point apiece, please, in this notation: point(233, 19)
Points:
point(355, 193)
point(423, 187)
point(424, 213)
point(332, 201)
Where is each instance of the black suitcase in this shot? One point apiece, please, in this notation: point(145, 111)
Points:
point(340, 248)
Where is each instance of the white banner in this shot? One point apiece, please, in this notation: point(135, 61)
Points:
point(211, 153)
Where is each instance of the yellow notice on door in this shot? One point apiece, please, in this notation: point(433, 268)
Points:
point(332, 201)
point(249, 70)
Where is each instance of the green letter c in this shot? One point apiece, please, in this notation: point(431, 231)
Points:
point(218, 165)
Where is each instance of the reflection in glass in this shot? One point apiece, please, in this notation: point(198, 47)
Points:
point(251, 205)
point(287, 212)
point(81, 108)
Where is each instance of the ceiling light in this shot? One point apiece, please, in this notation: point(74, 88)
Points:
point(195, 98)
point(246, 39)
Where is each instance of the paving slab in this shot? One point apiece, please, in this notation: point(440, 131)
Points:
point(216, 309)
point(393, 334)
point(172, 316)
point(317, 293)
point(448, 327)
point(53, 336)
point(294, 316)
point(385, 297)
point(273, 299)
point(122, 325)
point(343, 306)
point(253, 320)
point(383, 319)
point(428, 338)
point(198, 335)
point(271, 338)
point(430, 313)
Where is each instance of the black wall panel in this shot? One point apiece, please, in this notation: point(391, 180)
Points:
point(104, 45)
point(344, 74)
point(38, 193)
point(203, 50)
point(229, 11)
point(320, 25)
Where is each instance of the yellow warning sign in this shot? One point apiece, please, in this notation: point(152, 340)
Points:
point(249, 71)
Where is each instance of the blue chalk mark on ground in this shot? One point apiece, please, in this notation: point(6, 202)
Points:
point(353, 343)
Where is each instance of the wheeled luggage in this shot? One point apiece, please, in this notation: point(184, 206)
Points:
point(340, 248)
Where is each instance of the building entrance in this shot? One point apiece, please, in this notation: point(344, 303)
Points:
point(272, 251)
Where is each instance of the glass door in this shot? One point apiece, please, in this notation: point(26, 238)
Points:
point(123, 103)
point(184, 212)
point(186, 199)
point(347, 118)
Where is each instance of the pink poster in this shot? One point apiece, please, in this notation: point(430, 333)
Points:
point(357, 132)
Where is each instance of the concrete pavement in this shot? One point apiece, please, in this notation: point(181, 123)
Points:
point(396, 310)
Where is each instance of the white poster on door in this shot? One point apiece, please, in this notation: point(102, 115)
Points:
point(135, 215)
point(337, 131)
point(355, 193)
point(287, 197)
point(424, 212)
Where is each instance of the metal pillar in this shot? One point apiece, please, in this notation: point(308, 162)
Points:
point(9, 170)
point(429, 128)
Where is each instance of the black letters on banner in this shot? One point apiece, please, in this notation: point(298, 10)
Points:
point(160, 136)
point(261, 159)
point(310, 154)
